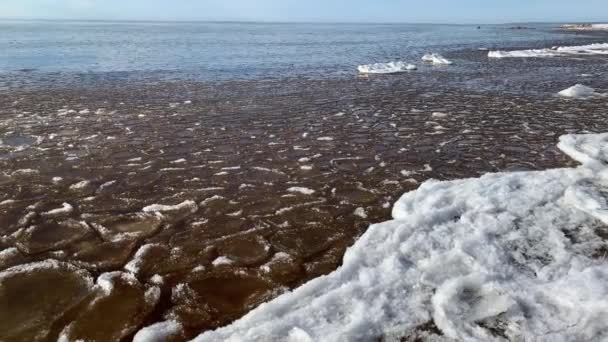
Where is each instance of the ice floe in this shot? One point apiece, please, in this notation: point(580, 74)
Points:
point(561, 51)
point(66, 208)
point(435, 58)
point(578, 91)
point(161, 208)
point(159, 332)
point(385, 68)
point(301, 190)
point(507, 255)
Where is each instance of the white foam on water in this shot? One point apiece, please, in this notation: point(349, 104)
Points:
point(435, 58)
point(562, 51)
point(512, 252)
point(386, 68)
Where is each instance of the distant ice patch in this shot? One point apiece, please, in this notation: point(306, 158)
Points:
point(435, 58)
point(386, 68)
point(561, 51)
point(585, 27)
point(578, 91)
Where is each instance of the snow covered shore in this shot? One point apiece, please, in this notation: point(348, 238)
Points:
point(508, 255)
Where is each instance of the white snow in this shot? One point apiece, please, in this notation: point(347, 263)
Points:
point(159, 332)
point(592, 49)
point(301, 190)
point(385, 68)
point(435, 58)
point(512, 251)
point(578, 91)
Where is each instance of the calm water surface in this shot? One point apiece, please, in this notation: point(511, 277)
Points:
point(211, 51)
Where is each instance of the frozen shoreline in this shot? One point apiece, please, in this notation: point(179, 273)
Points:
point(585, 27)
point(507, 252)
point(556, 51)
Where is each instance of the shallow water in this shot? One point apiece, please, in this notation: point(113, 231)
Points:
point(210, 197)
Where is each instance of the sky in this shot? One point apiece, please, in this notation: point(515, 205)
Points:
point(429, 11)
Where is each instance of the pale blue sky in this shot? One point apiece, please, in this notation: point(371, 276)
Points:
point(437, 11)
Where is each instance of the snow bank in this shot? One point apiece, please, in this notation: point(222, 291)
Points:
point(507, 254)
point(385, 68)
point(562, 51)
point(436, 59)
point(578, 91)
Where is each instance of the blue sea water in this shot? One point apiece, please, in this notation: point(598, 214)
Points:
point(212, 51)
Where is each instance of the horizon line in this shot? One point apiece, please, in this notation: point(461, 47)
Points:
point(254, 21)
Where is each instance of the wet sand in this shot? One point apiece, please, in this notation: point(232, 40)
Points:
point(211, 198)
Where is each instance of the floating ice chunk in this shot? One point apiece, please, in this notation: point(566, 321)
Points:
point(504, 252)
point(24, 172)
point(80, 185)
point(436, 59)
point(301, 190)
point(578, 91)
point(591, 150)
point(360, 212)
point(190, 205)
point(325, 139)
point(562, 51)
point(439, 115)
point(66, 208)
point(222, 260)
point(385, 68)
point(159, 332)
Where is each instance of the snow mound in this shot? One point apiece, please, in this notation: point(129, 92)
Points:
point(578, 91)
point(507, 254)
point(385, 68)
point(562, 51)
point(436, 59)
